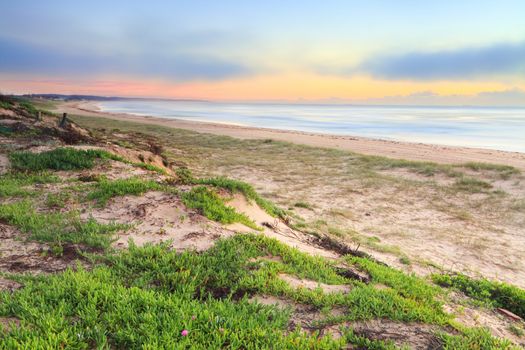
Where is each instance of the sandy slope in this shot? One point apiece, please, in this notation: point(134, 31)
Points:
point(395, 149)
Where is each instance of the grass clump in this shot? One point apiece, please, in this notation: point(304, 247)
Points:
point(505, 171)
point(405, 260)
point(105, 190)
point(5, 104)
point(519, 205)
point(423, 168)
point(28, 106)
point(185, 176)
point(211, 205)
point(57, 159)
point(303, 205)
point(496, 294)
point(516, 330)
point(12, 184)
point(58, 200)
point(58, 228)
point(472, 185)
point(6, 101)
point(92, 178)
point(247, 190)
point(150, 167)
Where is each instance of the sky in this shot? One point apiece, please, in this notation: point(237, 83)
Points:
point(375, 51)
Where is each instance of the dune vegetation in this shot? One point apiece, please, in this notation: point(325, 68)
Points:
point(262, 288)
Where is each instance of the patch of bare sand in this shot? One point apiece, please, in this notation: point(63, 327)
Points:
point(498, 324)
point(4, 163)
point(138, 156)
point(9, 323)
point(20, 256)
point(116, 170)
point(159, 217)
point(306, 317)
point(456, 231)
point(455, 239)
point(412, 335)
point(7, 113)
point(296, 282)
point(41, 148)
point(267, 258)
point(7, 143)
point(9, 285)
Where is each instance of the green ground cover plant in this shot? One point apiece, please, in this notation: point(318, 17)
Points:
point(151, 297)
point(495, 294)
point(234, 186)
point(247, 190)
point(211, 205)
point(58, 159)
point(13, 184)
point(105, 189)
point(58, 227)
point(149, 167)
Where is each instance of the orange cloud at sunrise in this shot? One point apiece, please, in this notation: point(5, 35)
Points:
point(292, 86)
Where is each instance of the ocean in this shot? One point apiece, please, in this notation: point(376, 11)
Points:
point(481, 127)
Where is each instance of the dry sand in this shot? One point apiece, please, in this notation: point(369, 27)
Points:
point(394, 149)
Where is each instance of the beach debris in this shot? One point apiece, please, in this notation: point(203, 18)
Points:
point(352, 273)
point(509, 314)
point(63, 121)
point(273, 226)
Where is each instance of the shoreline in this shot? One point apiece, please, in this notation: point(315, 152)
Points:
point(388, 148)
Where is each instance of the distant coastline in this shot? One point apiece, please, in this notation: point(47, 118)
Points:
point(479, 127)
point(393, 149)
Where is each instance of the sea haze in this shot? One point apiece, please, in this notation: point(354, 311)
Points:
point(481, 127)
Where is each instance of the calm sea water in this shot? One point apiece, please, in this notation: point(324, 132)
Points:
point(494, 128)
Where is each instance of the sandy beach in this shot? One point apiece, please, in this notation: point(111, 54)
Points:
point(393, 149)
